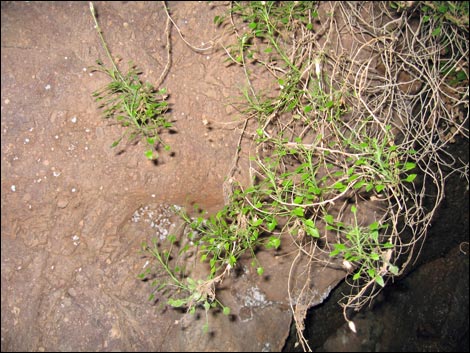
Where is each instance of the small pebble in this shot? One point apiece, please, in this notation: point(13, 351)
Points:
point(62, 203)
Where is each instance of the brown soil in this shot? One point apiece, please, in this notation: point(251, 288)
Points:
point(74, 211)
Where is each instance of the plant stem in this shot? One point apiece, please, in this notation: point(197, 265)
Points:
point(103, 42)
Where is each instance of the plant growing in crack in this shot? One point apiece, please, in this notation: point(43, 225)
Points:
point(186, 292)
point(135, 105)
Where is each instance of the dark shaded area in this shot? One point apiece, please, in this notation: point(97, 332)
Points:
point(428, 310)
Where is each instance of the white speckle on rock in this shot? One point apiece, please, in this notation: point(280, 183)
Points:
point(48, 87)
point(266, 347)
point(56, 174)
point(26, 140)
point(74, 119)
point(74, 190)
point(254, 297)
point(13, 188)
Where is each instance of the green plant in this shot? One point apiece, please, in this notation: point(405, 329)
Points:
point(183, 291)
point(135, 105)
point(362, 249)
point(331, 132)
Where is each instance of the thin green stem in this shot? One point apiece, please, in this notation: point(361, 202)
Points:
point(103, 42)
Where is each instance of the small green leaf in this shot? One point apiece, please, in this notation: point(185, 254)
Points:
point(298, 200)
point(176, 303)
point(253, 25)
point(141, 275)
point(393, 269)
point(334, 253)
point(329, 104)
point(149, 154)
point(273, 242)
point(379, 187)
point(356, 276)
point(260, 271)
point(257, 223)
point(410, 178)
point(226, 310)
point(207, 305)
point(374, 235)
point(232, 260)
point(339, 186)
point(272, 225)
point(359, 184)
point(380, 280)
point(307, 108)
point(299, 212)
point(340, 247)
point(329, 219)
point(409, 165)
point(436, 31)
point(313, 232)
point(353, 209)
point(374, 256)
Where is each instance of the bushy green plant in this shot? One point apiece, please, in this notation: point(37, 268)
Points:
point(137, 106)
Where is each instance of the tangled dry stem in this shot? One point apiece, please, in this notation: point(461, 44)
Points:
point(393, 76)
point(391, 71)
